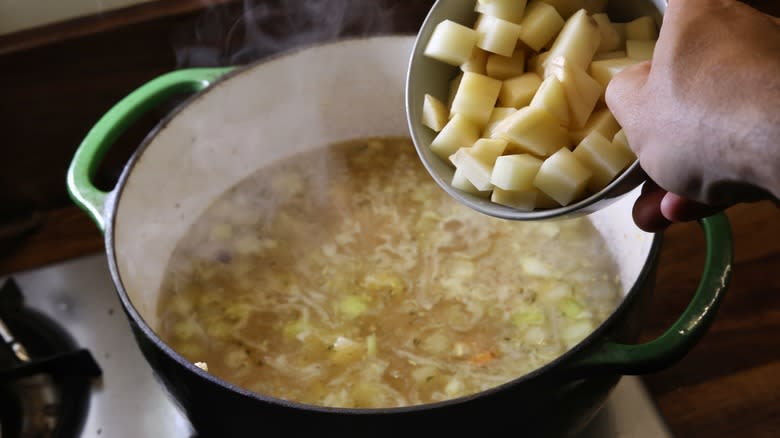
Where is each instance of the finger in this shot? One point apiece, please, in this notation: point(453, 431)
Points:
point(679, 209)
point(624, 93)
point(647, 209)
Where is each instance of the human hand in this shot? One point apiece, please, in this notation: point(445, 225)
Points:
point(703, 117)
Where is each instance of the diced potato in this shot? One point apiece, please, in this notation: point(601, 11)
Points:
point(497, 35)
point(643, 28)
point(435, 114)
point(620, 141)
point(457, 133)
point(540, 25)
point(545, 201)
point(610, 38)
point(519, 200)
point(566, 8)
point(476, 62)
point(536, 63)
point(601, 121)
point(518, 92)
point(551, 97)
point(451, 43)
point(503, 67)
point(602, 158)
point(476, 97)
point(476, 163)
point(620, 28)
point(515, 172)
point(533, 130)
point(496, 117)
point(578, 40)
point(602, 71)
point(641, 50)
point(609, 55)
point(562, 177)
point(509, 10)
point(454, 84)
point(582, 91)
point(460, 182)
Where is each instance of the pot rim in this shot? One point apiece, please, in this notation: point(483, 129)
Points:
point(110, 212)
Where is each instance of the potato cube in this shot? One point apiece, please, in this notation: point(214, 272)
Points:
point(610, 38)
point(620, 141)
point(476, 163)
point(454, 84)
point(524, 200)
point(540, 25)
point(451, 43)
point(566, 8)
point(643, 28)
point(609, 55)
point(602, 158)
point(457, 133)
point(578, 40)
point(562, 177)
point(515, 172)
point(461, 183)
point(496, 117)
point(601, 121)
point(620, 28)
point(497, 35)
point(503, 67)
point(518, 92)
point(476, 97)
point(641, 50)
point(533, 130)
point(476, 62)
point(602, 71)
point(544, 201)
point(435, 114)
point(582, 91)
point(536, 63)
point(551, 97)
point(509, 10)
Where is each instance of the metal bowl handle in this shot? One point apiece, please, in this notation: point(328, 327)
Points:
point(682, 336)
point(100, 138)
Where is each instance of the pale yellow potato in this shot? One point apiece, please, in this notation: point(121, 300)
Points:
point(476, 163)
point(620, 28)
point(533, 130)
point(620, 141)
point(641, 50)
point(562, 177)
point(497, 35)
point(496, 117)
point(476, 97)
point(476, 62)
point(503, 67)
point(518, 92)
point(435, 114)
point(582, 91)
point(536, 63)
point(519, 200)
point(603, 158)
point(544, 201)
point(609, 55)
point(461, 183)
point(643, 28)
point(610, 38)
point(454, 84)
point(601, 121)
point(515, 172)
point(566, 8)
point(457, 133)
point(509, 10)
point(551, 97)
point(540, 25)
point(451, 43)
point(602, 71)
point(578, 40)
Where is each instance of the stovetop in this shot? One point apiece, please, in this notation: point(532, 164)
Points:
point(128, 402)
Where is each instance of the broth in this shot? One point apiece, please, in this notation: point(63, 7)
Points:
point(345, 277)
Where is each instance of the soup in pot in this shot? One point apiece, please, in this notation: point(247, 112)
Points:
point(345, 277)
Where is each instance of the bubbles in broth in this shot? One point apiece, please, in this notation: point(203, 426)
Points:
point(345, 277)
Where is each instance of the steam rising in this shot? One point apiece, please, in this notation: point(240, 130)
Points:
point(241, 33)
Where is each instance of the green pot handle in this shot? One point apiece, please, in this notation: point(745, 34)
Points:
point(682, 336)
point(97, 142)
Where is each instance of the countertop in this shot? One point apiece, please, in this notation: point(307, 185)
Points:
point(727, 386)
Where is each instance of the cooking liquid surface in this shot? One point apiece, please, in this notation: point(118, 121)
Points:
point(345, 277)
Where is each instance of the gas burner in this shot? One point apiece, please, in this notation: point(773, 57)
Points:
point(45, 380)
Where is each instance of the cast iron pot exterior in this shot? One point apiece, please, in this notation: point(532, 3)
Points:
point(555, 400)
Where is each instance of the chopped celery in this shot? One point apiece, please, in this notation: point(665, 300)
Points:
point(352, 306)
point(527, 316)
point(371, 347)
point(576, 332)
point(571, 308)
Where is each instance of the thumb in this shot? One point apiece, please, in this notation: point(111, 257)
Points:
point(624, 93)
